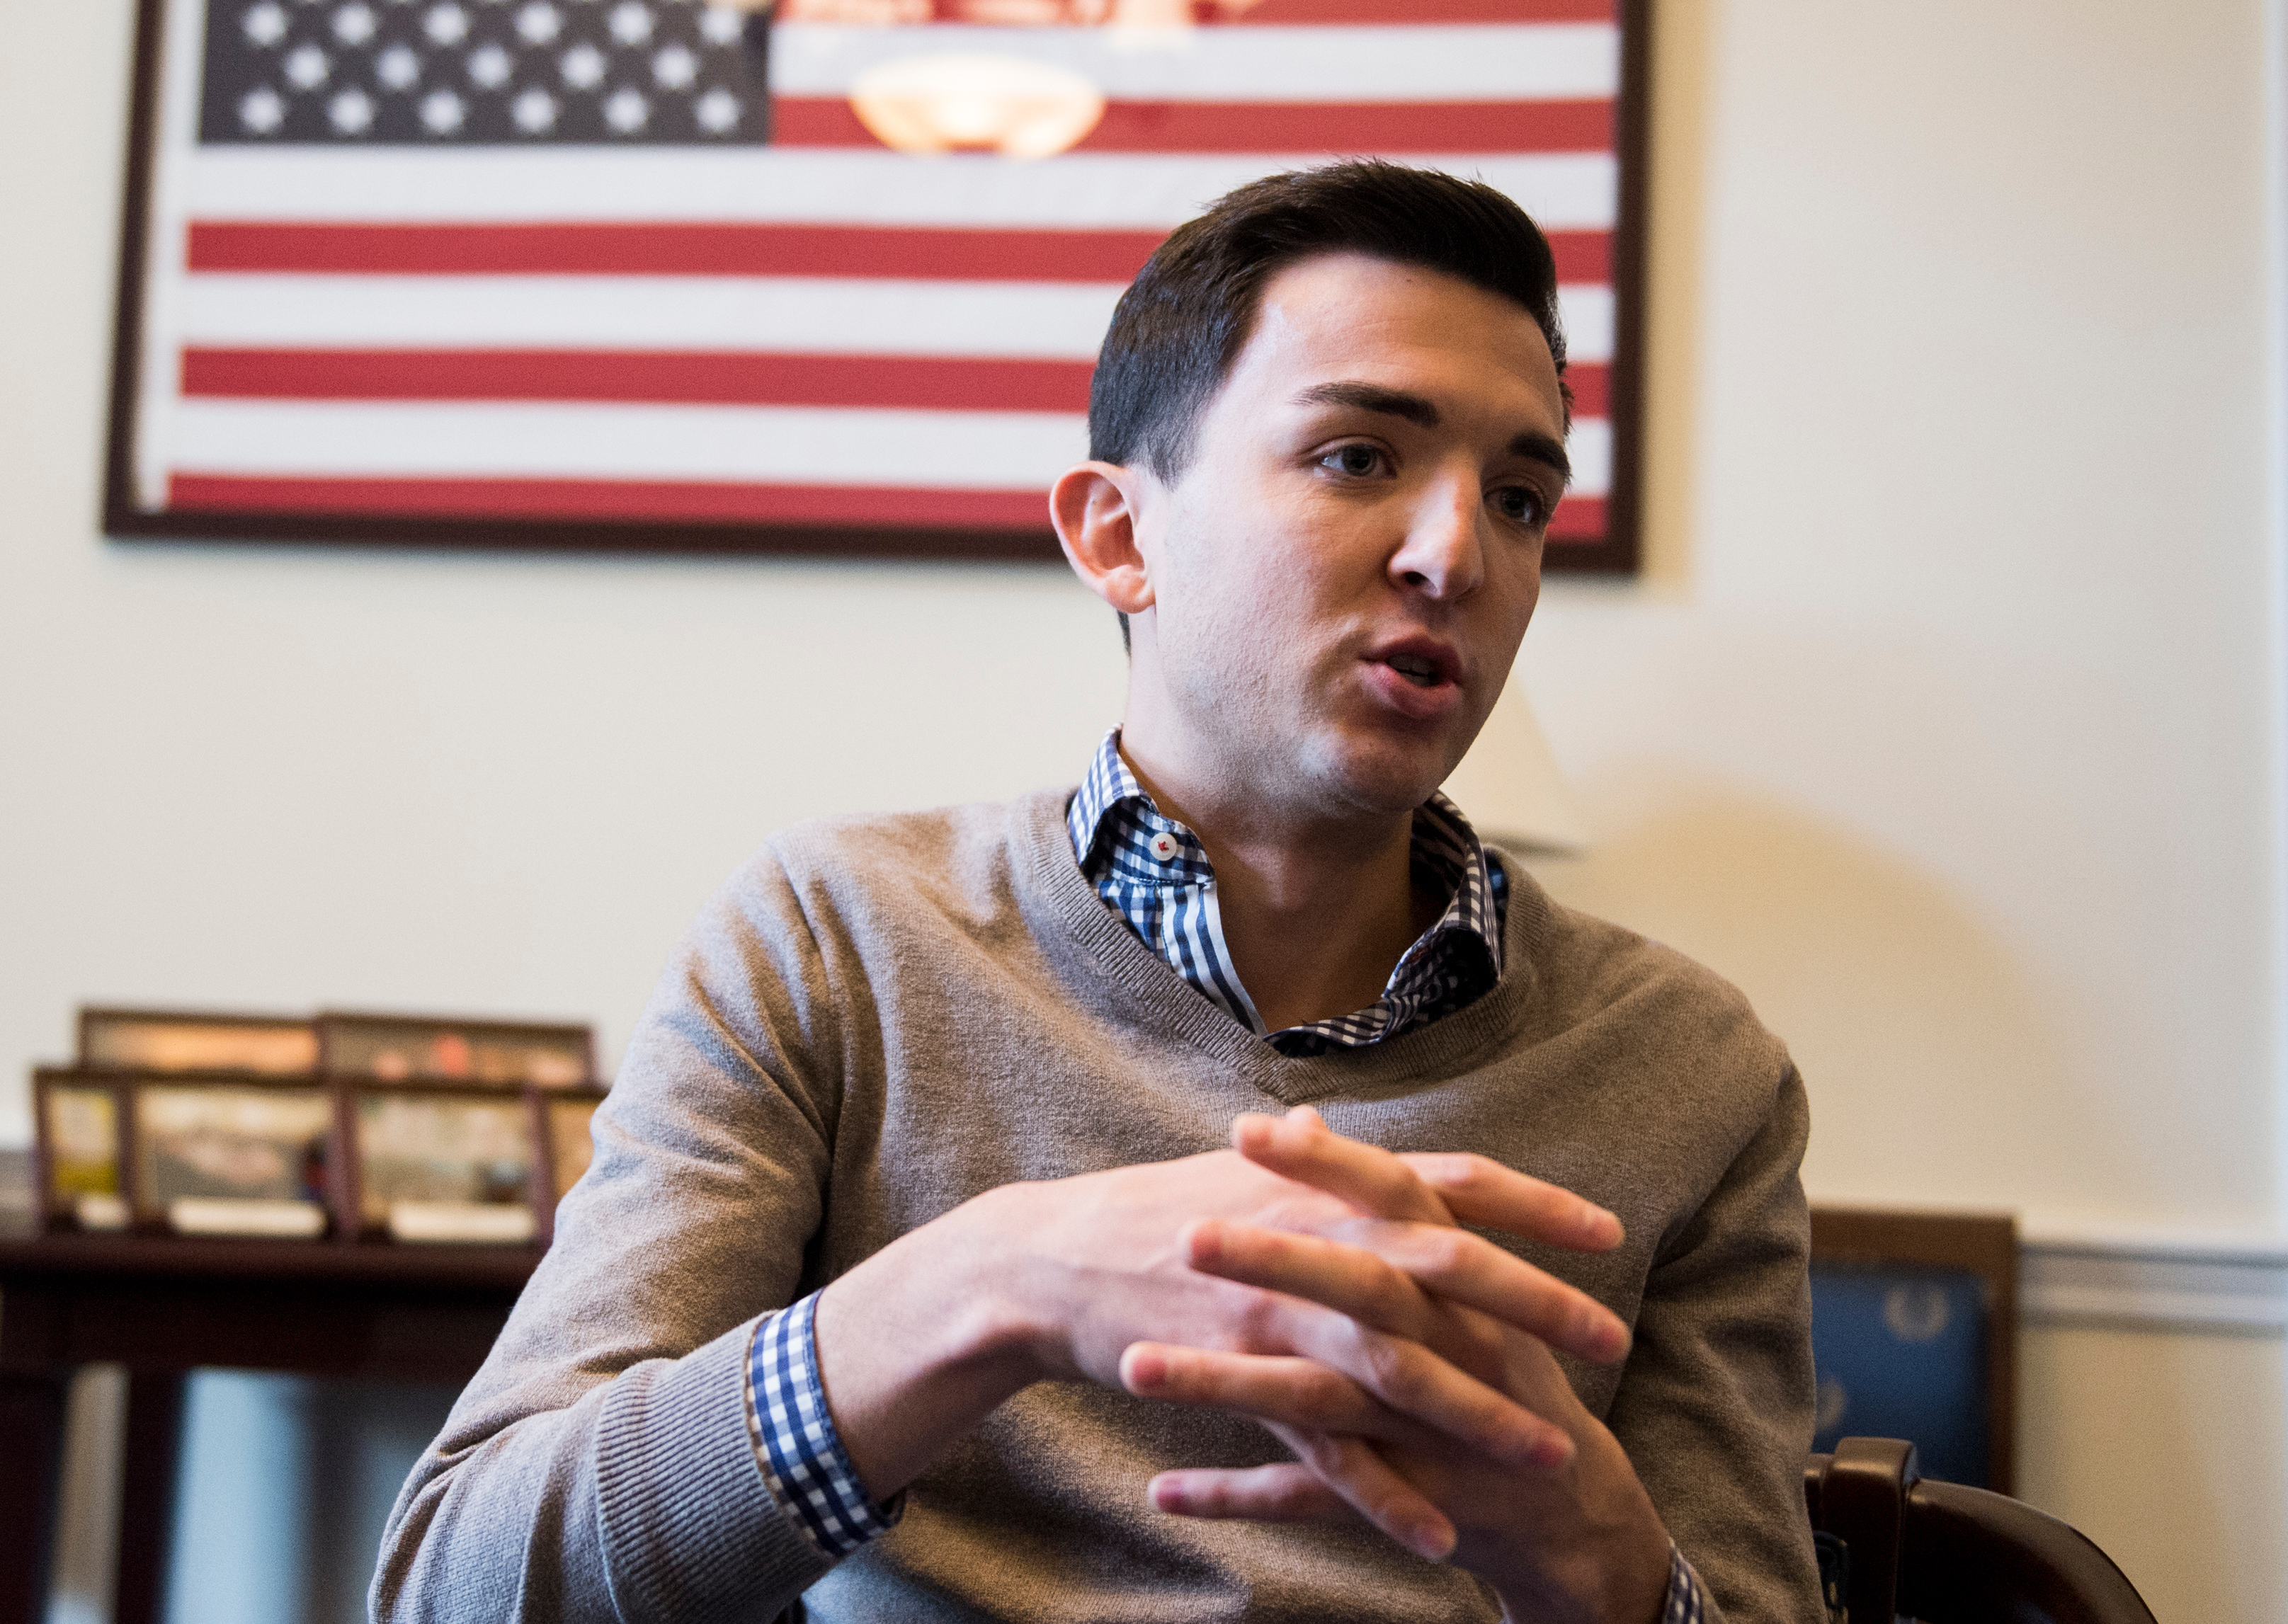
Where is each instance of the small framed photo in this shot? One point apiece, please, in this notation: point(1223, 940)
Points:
point(399, 1048)
point(232, 1155)
point(79, 1151)
point(565, 1119)
point(164, 1041)
point(437, 1163)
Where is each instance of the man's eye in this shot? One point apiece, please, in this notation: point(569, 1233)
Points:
point(1358, 461)
point(1521, 504)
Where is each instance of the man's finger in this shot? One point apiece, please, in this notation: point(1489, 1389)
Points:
point(1480, 1190)
point(1284, 1492)
point(1409, 1389)
point(1421, 1386)
point(1266, 1387)
point(1346, 1277)
point(1350, 1467)
point(1428, 1187)
point(1384, 1274)
point(1300, 1146)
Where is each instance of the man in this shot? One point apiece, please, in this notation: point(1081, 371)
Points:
point(950, 1085)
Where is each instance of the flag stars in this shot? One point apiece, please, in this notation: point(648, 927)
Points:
point(583, 66)
point(349, 112)
point(263, 25)
point(397, 67)
point(489, 66)
point(674, 67)
point(442, 112)
point(717, 111)
point(631, 22)
point(307, 67)
point(534, 111)
point(626, 111)
point(405, 71)
point(262, 111)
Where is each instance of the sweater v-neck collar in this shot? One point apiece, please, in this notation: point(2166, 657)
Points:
point(1125, 969)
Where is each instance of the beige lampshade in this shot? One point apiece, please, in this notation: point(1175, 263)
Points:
point(1508, 784)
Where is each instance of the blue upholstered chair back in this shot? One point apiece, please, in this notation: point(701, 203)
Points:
point(1901, 1353)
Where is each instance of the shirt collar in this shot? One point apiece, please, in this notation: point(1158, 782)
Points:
point(1446, 851)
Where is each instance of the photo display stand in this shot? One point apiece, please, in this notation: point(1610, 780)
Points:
point(447, 1131)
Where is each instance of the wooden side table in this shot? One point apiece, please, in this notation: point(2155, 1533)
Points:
point(163, 1306)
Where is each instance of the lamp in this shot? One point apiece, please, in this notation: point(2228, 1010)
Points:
point(1015, 106)
point(1508, 784)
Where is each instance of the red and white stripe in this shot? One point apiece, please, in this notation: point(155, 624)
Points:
point(820, 332)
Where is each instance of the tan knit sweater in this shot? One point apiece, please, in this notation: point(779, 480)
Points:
point(875, 1021)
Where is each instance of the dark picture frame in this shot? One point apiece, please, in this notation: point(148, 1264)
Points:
point(1984, 1244)
point(231, 1153)
point(197, 1041)
point(444, 1048)
point(81, 1167)
point(566, 1142)
point(454, 1163)
point(130, 518)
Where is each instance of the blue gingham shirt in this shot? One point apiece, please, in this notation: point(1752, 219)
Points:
point(1155, 874)
point(1152, 872)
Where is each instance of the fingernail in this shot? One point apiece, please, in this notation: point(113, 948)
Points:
point(1435, 1540)
point(1554, 1450)
point(1605, 1334)
point(1142, 1368)
point(1166, 1493)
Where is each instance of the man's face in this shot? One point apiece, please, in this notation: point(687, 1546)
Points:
point(1341, 577)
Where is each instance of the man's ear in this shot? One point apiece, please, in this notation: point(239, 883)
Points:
point(1094, 507)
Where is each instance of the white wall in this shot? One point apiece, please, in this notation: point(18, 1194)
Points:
point(1945, 718)
point(1946, 721)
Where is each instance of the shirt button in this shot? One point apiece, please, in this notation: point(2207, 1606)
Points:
point(1162, 846)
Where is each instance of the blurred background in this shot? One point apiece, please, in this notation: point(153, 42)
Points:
point(1945, 718)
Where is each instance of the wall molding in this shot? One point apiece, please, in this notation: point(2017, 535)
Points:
point(2154, 1281)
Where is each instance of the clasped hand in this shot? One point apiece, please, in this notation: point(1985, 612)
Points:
point(1457, 1434)
point(1316, 1284)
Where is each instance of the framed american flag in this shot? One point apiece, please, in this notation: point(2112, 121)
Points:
point(821, 276)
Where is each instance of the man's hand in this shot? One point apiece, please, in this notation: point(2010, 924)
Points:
point(1059, 1279)
point(1563, 1533)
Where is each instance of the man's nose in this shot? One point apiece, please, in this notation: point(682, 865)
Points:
point(1442, 554)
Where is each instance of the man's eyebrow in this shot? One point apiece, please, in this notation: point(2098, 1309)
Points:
point(1369, 398)
point(1542, 448)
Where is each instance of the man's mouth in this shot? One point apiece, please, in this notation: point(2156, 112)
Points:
point(1422, 672)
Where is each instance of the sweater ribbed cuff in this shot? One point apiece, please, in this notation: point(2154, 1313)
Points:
point(690, 1531)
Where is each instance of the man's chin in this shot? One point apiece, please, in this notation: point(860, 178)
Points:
point(1385, 780)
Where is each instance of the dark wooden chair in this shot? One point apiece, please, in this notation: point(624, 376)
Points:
point(1945, 1553)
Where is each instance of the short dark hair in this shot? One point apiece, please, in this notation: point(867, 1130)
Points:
point(1183, 321)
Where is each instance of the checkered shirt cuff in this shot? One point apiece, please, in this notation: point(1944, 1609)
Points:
point(1687, 1603)
point(795, 1439)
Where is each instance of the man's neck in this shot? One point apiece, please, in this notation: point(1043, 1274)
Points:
point(1316, 917)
